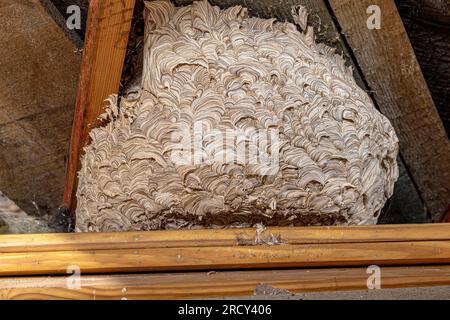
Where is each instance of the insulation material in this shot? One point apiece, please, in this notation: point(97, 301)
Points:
point(216, 86)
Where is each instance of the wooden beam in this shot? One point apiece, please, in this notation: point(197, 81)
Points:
point(446, 216)
point(224, 249)
point(223, 258)
point(217, 284)
point(39, 71)
point(405, 203)
point(108, 27)
point(221, 238)
point(389, 65)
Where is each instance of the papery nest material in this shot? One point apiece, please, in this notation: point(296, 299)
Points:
point(336, 154)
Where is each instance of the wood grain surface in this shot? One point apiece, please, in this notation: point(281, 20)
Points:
point(224, 249)
point(390, 68)
point(106, 39)
point(218, 284)
point(39, 70)
point(221, 238)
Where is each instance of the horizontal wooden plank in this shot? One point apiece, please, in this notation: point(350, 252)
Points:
point(218, 284)
point(226, 237)
point(237, 257)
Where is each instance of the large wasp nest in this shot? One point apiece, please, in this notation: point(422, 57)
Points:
point(324, 155)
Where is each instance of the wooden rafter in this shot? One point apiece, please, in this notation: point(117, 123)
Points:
point(39, 70)
point(392, 72)
point(108, 27)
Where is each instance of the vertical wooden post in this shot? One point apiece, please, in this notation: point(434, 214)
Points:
point(108, 27)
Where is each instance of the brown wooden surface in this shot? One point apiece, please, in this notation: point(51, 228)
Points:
point(392, 72)
point(446, 216)
point(427, 23)
point(39, 71)
point(220, 238)
point(218, 284)
point(405, 205)
point(219, 258)
point(224, 249)
point(109, 23)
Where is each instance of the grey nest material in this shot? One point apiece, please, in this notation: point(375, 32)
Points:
point(336, 153)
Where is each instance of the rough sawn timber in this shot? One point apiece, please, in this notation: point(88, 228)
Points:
point(100, 253)
point(391, 70)
point(109, 23)
point(39, 70)
point(218, 284)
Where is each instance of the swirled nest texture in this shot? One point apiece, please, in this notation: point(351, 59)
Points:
point(336, 152)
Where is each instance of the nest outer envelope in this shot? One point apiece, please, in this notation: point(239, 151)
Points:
point(228, 71)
